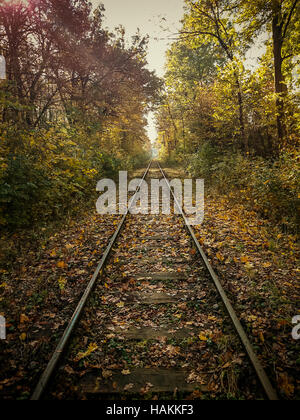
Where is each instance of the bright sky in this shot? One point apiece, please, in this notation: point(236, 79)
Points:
point(146, 15)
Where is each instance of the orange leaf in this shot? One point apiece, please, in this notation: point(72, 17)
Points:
point(61, 264)
point(245, 259)
point(220, 257)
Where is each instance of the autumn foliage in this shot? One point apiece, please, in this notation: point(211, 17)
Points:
point(72, 108)
point(229, 118)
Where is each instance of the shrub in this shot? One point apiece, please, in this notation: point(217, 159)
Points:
point(48, 174)
point(271, 188)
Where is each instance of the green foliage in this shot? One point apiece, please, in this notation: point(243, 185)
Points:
point(50, 174)
point(270, 188)
point(202, 164)
point(72, 109)
point(140, 160)
point(274, 190)
point(234, 125)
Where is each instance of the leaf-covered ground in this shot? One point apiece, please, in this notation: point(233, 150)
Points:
point(259, 269)
point(157, 310)
point(39, 296)
point(256, 264)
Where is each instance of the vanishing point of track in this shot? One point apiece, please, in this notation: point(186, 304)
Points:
point(63, 344)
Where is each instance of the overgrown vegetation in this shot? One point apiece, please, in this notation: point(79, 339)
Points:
point(269, 187)
point(72, 109)
point(232, 123)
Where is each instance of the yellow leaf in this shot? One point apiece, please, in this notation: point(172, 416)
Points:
point(267, 265)
point(61, 264)
point(202, 337)
point(62, 283)
point(220, 257)
point(82, 355)
point(23, 319)
point(126, 372)
point(249, 266)
point(23, 337)
point(245, 259)
point(120, 305)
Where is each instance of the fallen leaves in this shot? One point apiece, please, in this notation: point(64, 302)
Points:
point(245, 259)
point(238, 248)
point(91, 349)
point(220, 257)
point(173, 351)
point(62, 264)
point(195, 378)
point(202, 337)
point(106, 374)
point(40, 296)
point(23, 319)
point(128, 387)
point(62, 281)
point(146, 389)
point(267, 265)
point(285, 384)
point(259, 274)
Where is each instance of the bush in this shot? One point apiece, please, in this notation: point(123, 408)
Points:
point(274, 190)
point(20, 190)
point(271, 188)
point(140, 160)
point(47, 175)
point(202, 164)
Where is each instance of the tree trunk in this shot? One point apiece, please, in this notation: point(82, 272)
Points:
point(280, 84)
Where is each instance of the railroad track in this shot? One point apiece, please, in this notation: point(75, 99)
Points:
point(152, 303)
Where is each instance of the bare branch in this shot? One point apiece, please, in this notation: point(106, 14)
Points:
point(289, 19)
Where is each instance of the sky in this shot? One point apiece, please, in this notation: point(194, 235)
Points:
point(146, 15)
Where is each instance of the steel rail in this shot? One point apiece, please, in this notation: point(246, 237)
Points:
point(262, 376)
point(48, 372)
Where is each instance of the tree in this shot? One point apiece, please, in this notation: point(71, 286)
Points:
point(72, 108)
point(209, 21)
point(281, 17)
point(185, 117)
